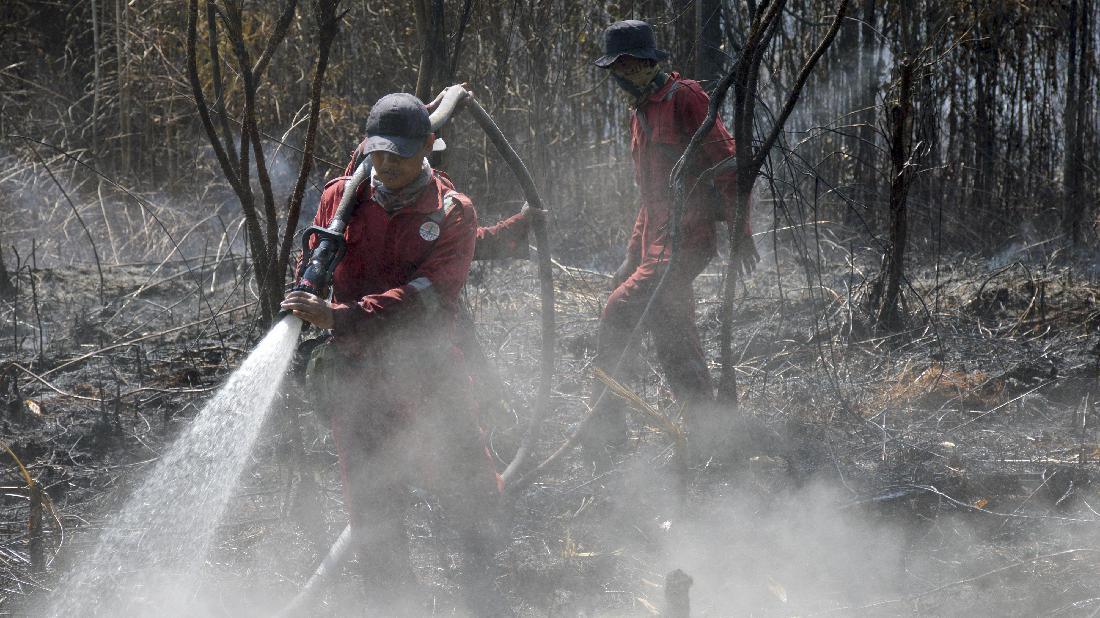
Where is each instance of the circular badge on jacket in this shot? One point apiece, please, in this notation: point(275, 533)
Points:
point(429, 230)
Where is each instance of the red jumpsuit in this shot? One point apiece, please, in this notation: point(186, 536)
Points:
point(404, 414)
point(660, 130)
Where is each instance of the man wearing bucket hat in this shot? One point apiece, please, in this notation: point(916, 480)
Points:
point(393, 375)
point(666, 112)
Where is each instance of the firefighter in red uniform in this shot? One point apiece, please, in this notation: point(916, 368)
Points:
point(667, 110)
point(403, 409)
point(503, 240)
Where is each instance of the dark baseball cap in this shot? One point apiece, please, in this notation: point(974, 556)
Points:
point(631, 37)
point(397, 123)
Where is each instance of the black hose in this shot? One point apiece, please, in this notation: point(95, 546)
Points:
point(546, 281)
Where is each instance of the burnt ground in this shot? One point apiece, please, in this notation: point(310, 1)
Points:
point(944, 468)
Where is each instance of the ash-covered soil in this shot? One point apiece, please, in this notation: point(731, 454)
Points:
point(945, 468)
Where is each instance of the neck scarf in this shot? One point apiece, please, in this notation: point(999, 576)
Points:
point(393, 200)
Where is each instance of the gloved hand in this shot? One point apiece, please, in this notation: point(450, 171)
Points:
point(533, 214)
point(439, 97)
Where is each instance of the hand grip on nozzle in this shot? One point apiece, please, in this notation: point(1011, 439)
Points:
point(315, 273)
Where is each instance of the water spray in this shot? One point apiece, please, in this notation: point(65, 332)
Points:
point(149, 558)
point(170, 520)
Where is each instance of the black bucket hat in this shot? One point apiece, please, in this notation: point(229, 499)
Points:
point(631, 37)
point(397, 123)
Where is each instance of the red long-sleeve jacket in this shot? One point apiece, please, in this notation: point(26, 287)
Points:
point(660, 130)
point(396, 309)
point(400, 265)
point(505, 239)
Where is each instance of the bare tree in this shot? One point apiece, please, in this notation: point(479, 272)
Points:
point(270, 247)
point(750, 157)
point(894, 260)
point(987, 57)
point(96, 76)
point(709, 61)
point(437, 66)
point(7, 289)
point(868, 90)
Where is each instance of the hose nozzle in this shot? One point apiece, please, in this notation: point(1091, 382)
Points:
point(315, 273)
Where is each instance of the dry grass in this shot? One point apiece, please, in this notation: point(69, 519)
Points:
point(937, 386)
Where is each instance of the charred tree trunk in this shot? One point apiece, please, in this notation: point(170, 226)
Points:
point(433, 51)
point(866, 178)
point(1074, 119)
point(433, 68)
point(7, 289)
point(456, 53)
point(120, 81)
point(680, 37)
point(889, 316)
point(986, 79)
point(708, 41)
point(95, 78)
point(216, 77)
point(927, 131)
point(844, 78)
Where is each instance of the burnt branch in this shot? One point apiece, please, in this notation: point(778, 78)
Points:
point(800, 82)
point(281, 28)
point(200, 99)
point(216, 76)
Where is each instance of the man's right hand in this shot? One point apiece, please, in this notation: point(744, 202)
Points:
point(303, 305)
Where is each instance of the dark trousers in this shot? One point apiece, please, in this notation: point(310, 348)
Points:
point(671, 322)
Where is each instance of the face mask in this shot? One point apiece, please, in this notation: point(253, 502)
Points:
point(636, 94)
point(640, 76)
point(633, 93)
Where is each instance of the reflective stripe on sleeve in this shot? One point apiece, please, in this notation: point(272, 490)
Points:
point(426, 292)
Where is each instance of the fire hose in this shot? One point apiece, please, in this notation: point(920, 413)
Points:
point(315, 276)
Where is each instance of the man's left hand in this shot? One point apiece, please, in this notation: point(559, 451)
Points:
point(439, 97)
point(745, 257)
point(309, 308)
